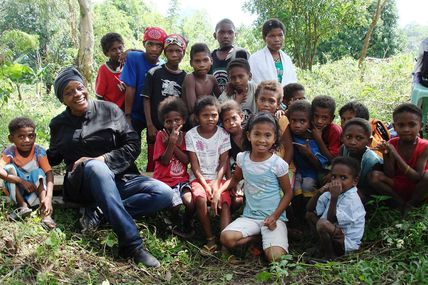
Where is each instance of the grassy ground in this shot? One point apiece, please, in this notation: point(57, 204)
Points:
point(394, 251)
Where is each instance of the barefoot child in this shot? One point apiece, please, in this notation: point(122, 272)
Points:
point(162, 81)
point(208, 146)
point(28, 175)
point(199, 83)
point(171, 161)
point(108, 85)
point(231, 119)
point(239, 87)
point(265, 176)
point(325, 132)
point(337, 211)
point(356, 140)
point(405, 160)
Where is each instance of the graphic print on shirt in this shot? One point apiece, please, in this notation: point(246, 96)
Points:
point(170, 88)
point(221, 77)
point(176, 168)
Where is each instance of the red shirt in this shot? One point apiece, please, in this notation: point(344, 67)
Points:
point(173, 173)
point(109, 86)
point(331, 137)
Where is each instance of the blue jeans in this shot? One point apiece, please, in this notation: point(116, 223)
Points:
point(122, 200)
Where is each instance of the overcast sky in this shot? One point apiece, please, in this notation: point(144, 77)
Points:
point(408, 10)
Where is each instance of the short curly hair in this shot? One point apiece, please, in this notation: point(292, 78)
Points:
point(108, 40)
point(19, 123)
point(172, 104)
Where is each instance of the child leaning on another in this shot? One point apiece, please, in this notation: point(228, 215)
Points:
point(231, 119)
point(108, 85)
point(336, 211)
point(405, 160)
point(356, 140)
point(354, 109)
point(199, 83)
point(27, 173)
point(239, 87)
point(325, 132)
point(171, 161)
point(293, 92)
point(265, 176)
point(208, 146)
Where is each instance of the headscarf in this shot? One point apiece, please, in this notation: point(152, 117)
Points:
point(66, 75)
point(175, 39)
point(154, 34)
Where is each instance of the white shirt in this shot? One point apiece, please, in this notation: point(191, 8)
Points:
point(350, 216)
point(208, 151)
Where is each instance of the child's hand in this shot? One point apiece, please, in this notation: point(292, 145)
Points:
point(317, 134)
point(270, 222)
point(325, 188)
point(240, 97)
point(215, 202)
point(383, 147)
point(164, 136)
point(304, 149)
point(209, 191)
point(335, 188)
point(46, 206)
point(151, 131)
point(174, 135)
point(279, 114)
point(28, 186)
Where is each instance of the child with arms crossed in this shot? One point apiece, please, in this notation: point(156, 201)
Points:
point(208, 146)
point(26, 170)
point(405, 160)
point(265, 176)
point(336, 210)
point(171, 161)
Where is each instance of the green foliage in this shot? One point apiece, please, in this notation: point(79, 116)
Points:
point(386, 41)
point(308, 22)
point(414, 35)
point(16, 43)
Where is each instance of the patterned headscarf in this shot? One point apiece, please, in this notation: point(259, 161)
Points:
point(175, 39)
point(154, 34)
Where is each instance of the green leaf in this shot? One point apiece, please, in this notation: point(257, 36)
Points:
point(263, 276)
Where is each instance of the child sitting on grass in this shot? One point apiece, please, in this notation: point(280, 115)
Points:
point(231, 119)
point(356, 140)
point(239, 87)
point(379, 131)
point(265, 176)
point(336, 210)
point(171, 161)
point(25, 168)
point(108, 85)
point(325, 132)
point(405, 160)
point(199, 83)
point(208, 146)
point(292, 93)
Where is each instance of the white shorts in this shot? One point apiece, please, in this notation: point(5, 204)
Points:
point(250, 227)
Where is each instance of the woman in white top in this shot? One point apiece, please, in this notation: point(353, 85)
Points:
point(271, 63)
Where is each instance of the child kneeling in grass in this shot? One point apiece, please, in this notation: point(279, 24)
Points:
point(25, 168)
point(265, 175)
point(336, 210)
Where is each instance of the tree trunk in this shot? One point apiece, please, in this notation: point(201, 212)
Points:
point(86, 43)
point(73, 24)
point(379, 8)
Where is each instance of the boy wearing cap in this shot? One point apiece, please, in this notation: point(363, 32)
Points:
point(163, 81)
point(134, 71)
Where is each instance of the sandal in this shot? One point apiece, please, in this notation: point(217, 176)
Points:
point(48, 223)
point(208, 250)
point(19, 213)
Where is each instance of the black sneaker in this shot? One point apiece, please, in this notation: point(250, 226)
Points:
point(142, 256)
point(90, 220)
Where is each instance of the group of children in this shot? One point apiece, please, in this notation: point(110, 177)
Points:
point(260, 144)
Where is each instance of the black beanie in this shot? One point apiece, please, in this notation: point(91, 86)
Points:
point(64, 76)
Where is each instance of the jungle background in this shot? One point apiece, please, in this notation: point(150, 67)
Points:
point(351, 50)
